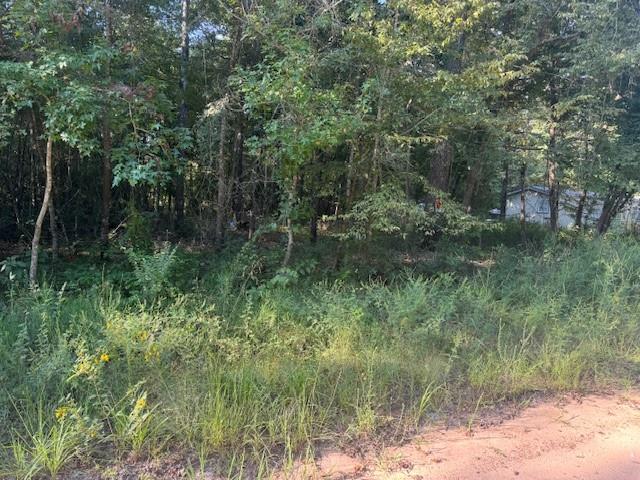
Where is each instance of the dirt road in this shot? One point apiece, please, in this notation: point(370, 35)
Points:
point(592, 438)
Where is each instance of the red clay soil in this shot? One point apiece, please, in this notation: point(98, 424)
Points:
point(593, 438)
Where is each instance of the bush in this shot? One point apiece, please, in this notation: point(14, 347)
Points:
point(139, 230)
point(152, 272)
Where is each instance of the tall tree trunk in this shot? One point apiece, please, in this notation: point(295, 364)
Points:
point(613, 204)
point(580, 210)
point(339, 252)
point(375, 170)
point(349, 186)
point(238, 155)
point(471, 184)
point(554, 195)
point(552, 161)
point(440, 174)
point(222, 176)
point(292, 197)
point(287, 254)
point(474, 168)
point(107, 173)
point(583, 196)
point(53, 225)
point(441, 165)
point(252, 212)
point(318, 206)
point(221, 200)
point(313, 222)
point(523, 201)
point(184, 66)
point(604, 220)
point(107, 178)
point(37, 232)
point(504, 190)
point(554, 184)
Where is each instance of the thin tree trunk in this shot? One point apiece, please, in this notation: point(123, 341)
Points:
point(580, 210)
point(313, 222)
point(222, 190)
point(440, 173)
point(349, 187)
point(265, 197)
point(221, 200)
point(375, 170)
point(37, 232)
point(504, 191)
point(523, 202)
point(292, 193)
point(554, 194)
point(53, 226)
point(33, 184)
point(107, 173)
point(107, 178)
point(313, 228)
point(471, 184)
point(583, 196)
point(184, 66)
point(339, 253)
point(252, 212)
point(552, 162)
point(238, 155)
point(287, 254)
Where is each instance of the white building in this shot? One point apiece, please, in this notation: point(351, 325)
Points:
point(537, 208)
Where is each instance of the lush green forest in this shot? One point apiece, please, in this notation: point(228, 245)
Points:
point(234, 231)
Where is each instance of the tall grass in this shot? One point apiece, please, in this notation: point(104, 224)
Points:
point(251, 374)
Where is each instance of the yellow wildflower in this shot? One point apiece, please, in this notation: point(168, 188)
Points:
point(62, 412)
point(83, 367)
point(105, 357)
point(141, 403)
point(152, 353)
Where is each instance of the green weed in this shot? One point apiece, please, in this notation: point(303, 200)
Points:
point(250, 373)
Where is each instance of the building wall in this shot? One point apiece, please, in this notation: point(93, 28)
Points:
point(537, 209)
point(629, 218)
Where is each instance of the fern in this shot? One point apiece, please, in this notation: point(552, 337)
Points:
point(152, 272)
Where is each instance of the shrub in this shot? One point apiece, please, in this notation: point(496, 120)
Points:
point(153, 271)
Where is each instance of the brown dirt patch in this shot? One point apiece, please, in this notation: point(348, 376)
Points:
point(592, 438)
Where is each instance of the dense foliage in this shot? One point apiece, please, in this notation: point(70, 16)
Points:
point(262, 224)
point(248, 115)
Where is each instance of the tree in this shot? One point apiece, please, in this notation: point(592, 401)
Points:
point(68, 108)
point(183, 119)
point(107, 141)
point(302, 110)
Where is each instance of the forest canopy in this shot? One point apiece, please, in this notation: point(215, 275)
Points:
point(211, 116)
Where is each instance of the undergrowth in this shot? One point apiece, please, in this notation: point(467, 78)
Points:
point(247, 366)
